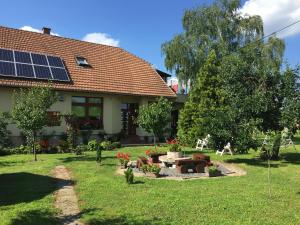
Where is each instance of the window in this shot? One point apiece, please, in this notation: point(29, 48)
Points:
point(81, 61)
point(89, 111)
point(53, 119)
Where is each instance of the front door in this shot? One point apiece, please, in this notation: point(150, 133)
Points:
point(129, 115)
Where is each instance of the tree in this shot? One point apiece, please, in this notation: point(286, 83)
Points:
point(234, 74)
point(155, 117)
point(30, 111)
point(290, 95)
point(219, 27)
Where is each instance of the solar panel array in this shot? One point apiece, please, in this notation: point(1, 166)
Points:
point(30, 65)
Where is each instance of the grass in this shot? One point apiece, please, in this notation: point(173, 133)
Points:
point(26, 190)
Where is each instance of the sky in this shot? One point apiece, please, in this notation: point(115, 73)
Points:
point(140, 27)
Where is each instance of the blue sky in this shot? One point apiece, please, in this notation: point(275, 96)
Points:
point(137, 26)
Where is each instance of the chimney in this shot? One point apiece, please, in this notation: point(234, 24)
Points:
point(46, 30)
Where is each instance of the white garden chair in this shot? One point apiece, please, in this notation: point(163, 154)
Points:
point(226, 150)
point(202, 143)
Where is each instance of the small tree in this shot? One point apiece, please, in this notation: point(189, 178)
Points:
point(30, 111)
point(155, 117)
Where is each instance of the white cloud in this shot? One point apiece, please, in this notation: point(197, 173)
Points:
point(276, 14)
point(101, 38)
point(30, 28)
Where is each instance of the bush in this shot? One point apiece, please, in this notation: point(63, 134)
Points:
point(174, 146)
point(271, 151)
point(80, 149)
point(106, 145)
point(95, 145)
point(151, 169)
point(4, 133)
point(129, 176)
point(115, 145)
point(63, 147)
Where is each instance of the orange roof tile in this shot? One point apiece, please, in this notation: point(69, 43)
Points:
point(113, 70)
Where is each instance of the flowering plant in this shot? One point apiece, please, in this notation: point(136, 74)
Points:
point(150, 152)
point(123, 158)
point(174, 145)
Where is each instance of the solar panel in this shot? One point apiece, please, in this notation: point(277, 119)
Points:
point(42, 72)
point(39, 59)
point(6, 55)
point(7, 69)
point(59, 74)
point(32, 65)
point(24, 70)
point(55, 61)
point(22, 57)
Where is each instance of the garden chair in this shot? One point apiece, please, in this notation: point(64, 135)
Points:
point(201, 143)
point(226, 150)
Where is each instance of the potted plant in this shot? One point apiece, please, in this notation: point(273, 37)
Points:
point(213, 171)
point(123, 159)
point(174, 149)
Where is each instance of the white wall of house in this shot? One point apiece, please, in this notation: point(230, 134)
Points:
point(112, 123)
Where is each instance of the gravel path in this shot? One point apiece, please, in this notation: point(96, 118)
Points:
point(65, 199)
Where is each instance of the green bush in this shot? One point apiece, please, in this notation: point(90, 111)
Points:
point(106, 145)
point(129, 176)
point(271, 151)
point(80, 149)
point(4, 133)
point(174, 147)
point(151, 169)
point(63, 146)
point(115, 145)
point(95, 145)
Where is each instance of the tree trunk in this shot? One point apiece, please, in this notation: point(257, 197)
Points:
point(154, 139)
point(33, 146)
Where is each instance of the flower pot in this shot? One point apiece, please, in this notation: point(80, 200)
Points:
point(174, 155)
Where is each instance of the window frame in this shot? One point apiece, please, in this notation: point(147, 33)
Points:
point(86, 106)
point(81, 58)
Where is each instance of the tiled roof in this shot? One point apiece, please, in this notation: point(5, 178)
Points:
point(113, 70)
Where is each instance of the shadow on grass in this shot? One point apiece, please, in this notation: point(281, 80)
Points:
point(35, 217)
point(123, 220)
point(83, 158)
point(25, 187)
point(253, 162)
point(11, 163)
point(291, 157)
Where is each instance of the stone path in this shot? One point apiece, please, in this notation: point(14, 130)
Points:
point(65, 198)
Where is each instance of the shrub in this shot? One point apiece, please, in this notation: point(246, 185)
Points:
point(115, 145)
point(4, 133)
point(95, 145)
point(123, 158)
point(129, 176)
point(271, 151)
point(63, 146)
point(80, 149)
point(214, 171)
point(106, 145)
point(155, 169)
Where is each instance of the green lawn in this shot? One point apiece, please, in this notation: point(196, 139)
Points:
point(26, 192)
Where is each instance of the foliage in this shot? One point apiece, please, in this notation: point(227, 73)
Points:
point(174, 146)
point(106, 145)
point(290, 91)
point(123, 158)
point(219, 27)
point(116, 145)
point(214, 171)
point(4, 133)
point(79, 149)
point(270, 151)
point(235, 76)
point(72, 130)
point(155, 117)
point(63, 146)
point(153, 168)
point(129, 176)
point(30, 110)
point(95, 145)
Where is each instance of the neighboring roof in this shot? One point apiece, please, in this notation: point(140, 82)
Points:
point(113, 70)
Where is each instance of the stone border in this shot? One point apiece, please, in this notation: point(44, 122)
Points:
point(236, 172)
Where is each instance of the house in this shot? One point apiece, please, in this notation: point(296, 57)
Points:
point(103, 86)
